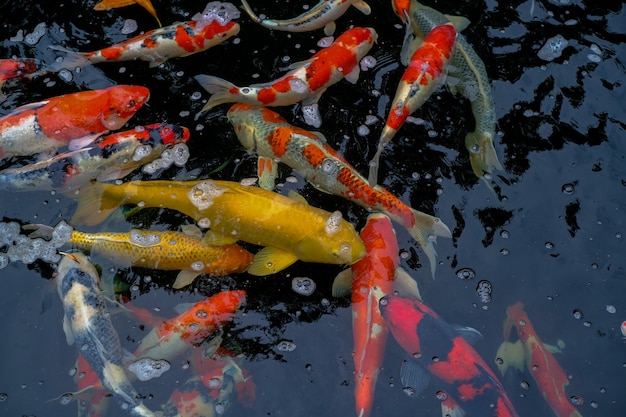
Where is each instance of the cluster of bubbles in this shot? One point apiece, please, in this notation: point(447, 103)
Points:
point(483, 289)
point(303, 285)
point(28, 250)
point(201, 195)
point(553, 48)
point(333, 223)
point(147, 368)
point(216, 11)
point(140, 238)
point(37, 33)
point(176, 155)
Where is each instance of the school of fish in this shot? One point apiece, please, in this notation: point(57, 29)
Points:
point(73, 144)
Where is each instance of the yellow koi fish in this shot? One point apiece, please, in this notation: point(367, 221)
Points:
point(290, 229)
point(166, 250)
point(323, 14)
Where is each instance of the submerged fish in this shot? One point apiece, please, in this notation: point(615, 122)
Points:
point(440, 350)
point(424, 74)
point(306, 81)
point(470, 75)
point(530, 353)
point(323, 14)
point(114, 4)
point(166, 250)
point(87, 325)
point(11, 69)
point(368, 280)
point(73, 120)
point(173, 41)
point(261, 130)
point(106, 158)
point(289, 228)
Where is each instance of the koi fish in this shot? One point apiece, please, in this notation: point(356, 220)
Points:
point(73, 120)
point(106, 158)
point(17, 68)
point(323, 14)
point(306, 81)
point(87, 324)
point(172, 337)
point(93, 400)
point(437, 349)
point(470, 75)
point(401, 9)
point(290, 229)
point(167, 250)
point(174, 41)
point(114, 4)
point(531, 353)
point(420, 80)
point(273, 139)
point(368, 280)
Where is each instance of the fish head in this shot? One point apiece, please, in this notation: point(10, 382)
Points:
point(241, 116)
point(74, 265)
point(337, 243)
point(403, 317)
point(516, 317)
point(123, 102)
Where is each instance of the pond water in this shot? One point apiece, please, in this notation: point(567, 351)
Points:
point(550, 235)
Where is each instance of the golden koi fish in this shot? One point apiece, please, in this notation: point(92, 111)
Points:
point(291, 230)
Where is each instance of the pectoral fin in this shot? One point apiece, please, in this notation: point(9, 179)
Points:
point(216, 239)
point(80, 143)
point(329, 29)
point(406, 285)
point(67, 328)
point(270, 260)
point(353, 76)
point(510, 355)
point(342, 285)
point(413, 375)
point(268, 171)
point(184, 278)
point(459, 22)
point(363, 7)
point(191, 230)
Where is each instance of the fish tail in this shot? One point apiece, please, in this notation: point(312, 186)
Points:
point(385, 137)
point(248, 9)
point(425, 230)
point(218, 87)
point(94, 205)
point(483, 155)
point(70, 61)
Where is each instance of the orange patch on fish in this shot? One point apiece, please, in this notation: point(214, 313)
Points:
point(313, 155)
point(279, 140)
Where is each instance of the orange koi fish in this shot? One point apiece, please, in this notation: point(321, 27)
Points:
point(107, 158)
point(307, 80)
point(73, 120)
point(323, 14)
point(114, 4)
point(401, 9)
point(470, 386)
point(266, 132)
point(174, 41)
point(16, 68)
point(531, 353)
point(167, 250)
point(419, 81)
point(369, 280)
point(172, 337)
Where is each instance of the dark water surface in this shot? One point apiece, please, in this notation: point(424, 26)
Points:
point(551, 236)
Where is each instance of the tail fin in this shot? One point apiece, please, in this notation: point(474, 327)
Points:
point(71, 61)
point(93, 205)
point(218, 87)
point(483, 155)
point(425, 231)
point(252, 15)
point(385, 137)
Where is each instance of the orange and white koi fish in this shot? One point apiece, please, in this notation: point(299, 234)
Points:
point(471, 80)
point(307, 80)
point(107, 158)
point(178, 40)
point(73, 120)
point(172, 337)
point(114, 4)
point(273, 139)
point(369, 280)
point(166, 250)
point(289, 228)
point(323, 14)
point(420, 80)
point(530, 353)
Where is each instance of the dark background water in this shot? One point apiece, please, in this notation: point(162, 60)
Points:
point(561, 127)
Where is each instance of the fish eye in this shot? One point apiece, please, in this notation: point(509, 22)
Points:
point(131, 103)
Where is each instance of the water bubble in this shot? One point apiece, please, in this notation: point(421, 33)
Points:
point(553, 48)
point(216, 11)
point(65, 399)
point(524, 385)
point(286, 346)
point(370, 120)
point(594, 404)
point(303, 285)
point(308, 367)
point(465, 273)
point(147, 368)
point(130, 25)
point(298, 85)
point(141, 238)
point(410, 392)
point(141, 152)
point(549, 245)
point(577, 400)
point(311, 114)
point(594, 58)
point(325, 42)
point(587, 324)
point(333, 223)
point(368, 62)
point(329, 166)
point(38, 33)
point(363, 130)
point(4, 260)
point(568, 188)
point(483, 289)
point(3, 396)
point(196, 95)
point(441, 395)
point(504, 234)
point(204, 223)
point(611, 309)
point(504, 251)
point(202, 195)
point(65, 75)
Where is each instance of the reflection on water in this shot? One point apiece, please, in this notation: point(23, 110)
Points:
point(550, 236)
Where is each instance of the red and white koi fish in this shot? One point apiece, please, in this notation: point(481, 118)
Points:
point(73, 120)
point(323, 14)
point(537, 358)
point(107, 158)
point(172, 337)
point(174, 41)
point(11, 69)
point(368, 280)
point(472, 388)
point(273, 139)
point(307, 80)
point(420, 80)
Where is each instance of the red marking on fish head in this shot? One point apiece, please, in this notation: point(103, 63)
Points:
point(401, 8)
point(126, 100)
point(403, 316)
point(270, 116)
point(172, 134)
point(516, 316)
